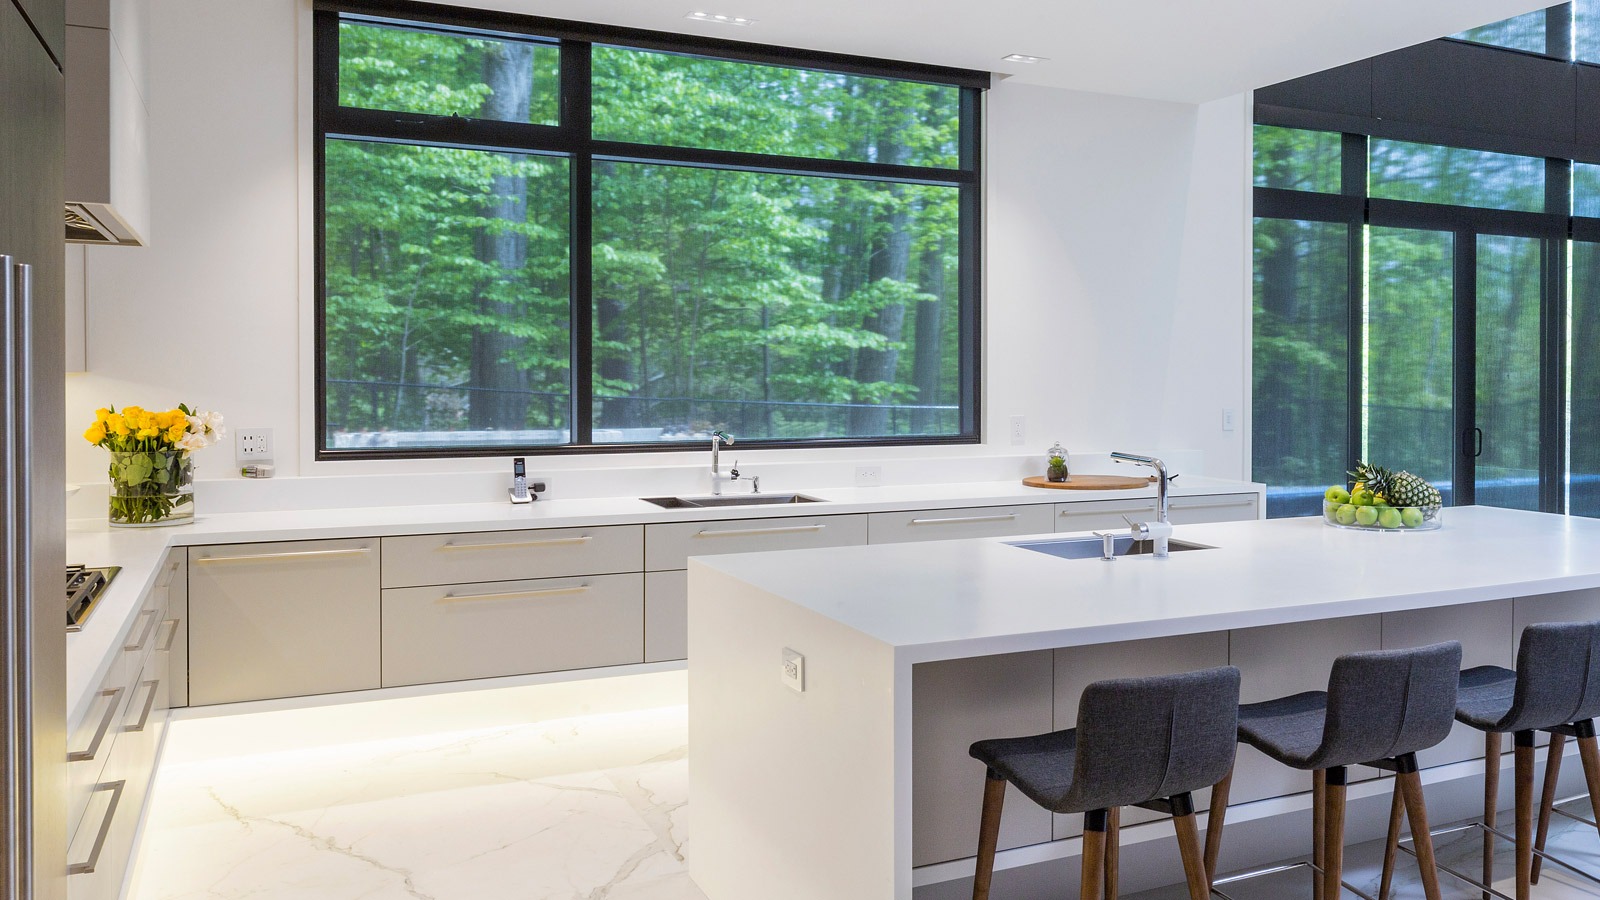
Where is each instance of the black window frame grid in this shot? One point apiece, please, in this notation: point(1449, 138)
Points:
point(572, 139)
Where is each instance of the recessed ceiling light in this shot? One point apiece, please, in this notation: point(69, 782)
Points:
point(1024, 58)
point(719, 19)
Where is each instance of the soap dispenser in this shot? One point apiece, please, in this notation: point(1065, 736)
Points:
point(1056, 463)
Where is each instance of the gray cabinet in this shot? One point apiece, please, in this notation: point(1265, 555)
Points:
point(666, 616)
point(1214, 508)
point(283, 620)
point(669, 546)
point(1100, 515)
point(507, 555)
point(953, 524)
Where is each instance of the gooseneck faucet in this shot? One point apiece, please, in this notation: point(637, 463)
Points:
point(1161, 529)
point(718, 438)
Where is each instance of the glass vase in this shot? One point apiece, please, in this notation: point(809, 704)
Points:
point(151, 487)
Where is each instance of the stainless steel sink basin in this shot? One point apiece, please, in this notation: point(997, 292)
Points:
point(1091, 547)
point(730, 500)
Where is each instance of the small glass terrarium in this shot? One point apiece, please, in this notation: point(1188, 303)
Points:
point(1056, 463)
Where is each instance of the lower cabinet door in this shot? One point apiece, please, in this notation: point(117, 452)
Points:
point(450, 633)
point(666, 616)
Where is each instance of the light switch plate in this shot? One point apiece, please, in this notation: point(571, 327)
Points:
point(869, 476)
point(793, 673)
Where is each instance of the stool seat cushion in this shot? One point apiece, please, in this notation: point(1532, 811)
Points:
point(1485, 696)
point(1040, 765)
point(1288, 729)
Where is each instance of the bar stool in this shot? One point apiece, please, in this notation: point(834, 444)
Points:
point(1146, 742)
point(1556, 689)
point(1379, 710)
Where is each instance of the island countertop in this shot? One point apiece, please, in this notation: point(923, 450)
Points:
point(953, 599)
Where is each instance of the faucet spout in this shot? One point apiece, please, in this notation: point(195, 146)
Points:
point(718, 438)
point(1161, 479)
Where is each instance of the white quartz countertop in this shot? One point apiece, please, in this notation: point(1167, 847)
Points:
point(952, 599)
point(139, 550)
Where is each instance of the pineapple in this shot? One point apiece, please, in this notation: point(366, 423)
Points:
point(1396, 488)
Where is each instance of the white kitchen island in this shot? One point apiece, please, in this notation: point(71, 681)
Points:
point(912, 650)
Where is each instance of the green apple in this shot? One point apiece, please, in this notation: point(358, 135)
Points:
point(1363, 497)
point(1389, 517)
point(1366, 515)
point(1411, 517)
point(1346, 514)
point(1337, 494)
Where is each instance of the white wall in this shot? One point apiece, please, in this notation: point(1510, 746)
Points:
point(1116, 263)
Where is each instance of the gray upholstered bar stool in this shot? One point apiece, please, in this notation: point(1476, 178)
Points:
point(1380, 709)
point(1147, 742)
point(1556, 689)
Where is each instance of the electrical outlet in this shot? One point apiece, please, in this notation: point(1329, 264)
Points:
point(252, 444)
point(869, 476)
point(1019, 429)
point(1227, 419)
point(793, 673)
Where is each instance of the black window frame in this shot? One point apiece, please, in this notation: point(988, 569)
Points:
point(573, 139)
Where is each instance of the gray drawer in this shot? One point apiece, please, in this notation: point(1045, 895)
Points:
point(1100, 515)
point(670, 546)
point(666, 616)
point(1213, 508)
point(508, 555)
point(950, 524)
point(90, 744)
point(450, 633)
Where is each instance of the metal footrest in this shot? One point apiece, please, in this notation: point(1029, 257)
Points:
point(1456, 829)
point(1273, 870)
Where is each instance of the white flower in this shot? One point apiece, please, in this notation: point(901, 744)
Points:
point(193, 441)
point(213, 424)
point(197, 425)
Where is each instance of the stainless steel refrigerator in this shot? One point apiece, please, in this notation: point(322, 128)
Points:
point(32, 434)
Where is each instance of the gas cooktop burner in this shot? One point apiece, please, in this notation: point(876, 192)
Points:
point(84, 587)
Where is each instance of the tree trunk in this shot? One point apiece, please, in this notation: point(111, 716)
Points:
point(926, 364)
point(891, 259)
point(501, 401)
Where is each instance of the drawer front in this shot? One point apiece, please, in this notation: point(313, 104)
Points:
point(175, 640)
point(666, 616)
point(670, 546)
point(950, 524)
point(282, 620)
point(1101, 515)
point(91, 742)
point(511, 555)
point(1213, 508)
point(450, 633)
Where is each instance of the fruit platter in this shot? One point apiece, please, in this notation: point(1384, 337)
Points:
point(1380, 499)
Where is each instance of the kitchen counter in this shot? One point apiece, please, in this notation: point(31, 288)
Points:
point(139, 550)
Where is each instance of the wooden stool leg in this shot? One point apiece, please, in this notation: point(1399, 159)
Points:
point(1589, 752)
point(1417, 815)
point(1214, 823)
point(1333, 833)
point(994, 797)
point(1094, 849)
point(1194, 863)
point(1524, 785)
point(1547, 801)
point(1319, 796)
point(1491, 802)
point(1113, 850)
point(1391, 845)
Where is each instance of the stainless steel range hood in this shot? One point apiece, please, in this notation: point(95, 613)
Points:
point(107, 160)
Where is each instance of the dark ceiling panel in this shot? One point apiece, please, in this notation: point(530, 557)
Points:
point(1456, 84)
point(1346, 90)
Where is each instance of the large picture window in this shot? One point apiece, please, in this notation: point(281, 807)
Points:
point(536, 236)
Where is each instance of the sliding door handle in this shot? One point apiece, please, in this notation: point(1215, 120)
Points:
point(1472, 442)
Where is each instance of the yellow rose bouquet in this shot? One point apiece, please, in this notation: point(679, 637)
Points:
point(152, 475)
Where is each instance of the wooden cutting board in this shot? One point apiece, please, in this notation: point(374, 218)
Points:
point(1090, 482)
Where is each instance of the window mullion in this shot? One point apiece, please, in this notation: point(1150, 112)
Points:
point(577, 122)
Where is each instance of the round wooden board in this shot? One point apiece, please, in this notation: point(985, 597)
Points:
point(1089, 482)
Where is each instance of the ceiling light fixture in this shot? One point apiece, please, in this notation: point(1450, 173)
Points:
point(1024, 58)
point(719, 19)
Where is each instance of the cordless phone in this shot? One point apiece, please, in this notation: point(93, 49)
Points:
point(519, 482)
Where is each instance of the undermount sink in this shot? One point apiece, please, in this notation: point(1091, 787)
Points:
point(1093, 547)
point(729, 500)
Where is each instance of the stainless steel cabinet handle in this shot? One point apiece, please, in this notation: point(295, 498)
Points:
point(99, 733)
point(149, 704)
point(172, 572)
point(145, 636)
point(501, 545)
point(172, 636)
point(506, 595)
point(1095, 512)
point(87, 866)
point(785, 529)
point(1007, 517)
point(294, 554)
point(1199, 504)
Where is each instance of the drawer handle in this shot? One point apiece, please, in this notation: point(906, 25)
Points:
point(951, 521)
point(149, 704)
point(99, 733)
point(1243, 501)
point(145, 636)
point(87, 866)
point(297, 554)
point(506, 595)
point(1092, 512)
point(172, 572)
point(172, 637)
point(786, 529)
point(500, 545)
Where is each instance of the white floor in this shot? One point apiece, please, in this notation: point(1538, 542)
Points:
point(572, 791)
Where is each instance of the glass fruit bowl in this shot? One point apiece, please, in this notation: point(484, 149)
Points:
point(1396, 519)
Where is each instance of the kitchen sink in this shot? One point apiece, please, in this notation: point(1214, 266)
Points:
point(1092, 547)
point(729, 500)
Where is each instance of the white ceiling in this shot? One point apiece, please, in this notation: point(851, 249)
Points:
point(1182, 50)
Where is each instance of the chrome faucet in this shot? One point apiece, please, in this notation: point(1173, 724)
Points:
point(1161, 529)
point(718, 438)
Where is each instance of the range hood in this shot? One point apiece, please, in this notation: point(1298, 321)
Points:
point(107, 159)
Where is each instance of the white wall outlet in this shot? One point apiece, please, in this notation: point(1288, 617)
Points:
point(869, 476)
point(1019, 429)
point(793, 673)
point(252, 444)
point(1227, 418)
